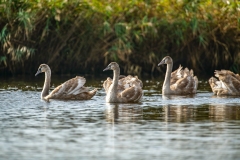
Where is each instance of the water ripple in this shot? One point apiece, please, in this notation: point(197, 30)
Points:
point(160, 127)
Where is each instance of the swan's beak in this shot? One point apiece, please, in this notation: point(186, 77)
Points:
point(38, 72)
point(107, 68)
point(162, 62)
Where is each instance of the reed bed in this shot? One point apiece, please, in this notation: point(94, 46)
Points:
point(83, 36)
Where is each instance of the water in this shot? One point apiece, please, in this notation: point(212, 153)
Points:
point(176, 127)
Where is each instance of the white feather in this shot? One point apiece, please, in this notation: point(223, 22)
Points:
point(77, 90)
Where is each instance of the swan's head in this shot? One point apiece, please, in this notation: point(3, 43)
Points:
point(42, 68)
point(112, 66)
point(166, 60)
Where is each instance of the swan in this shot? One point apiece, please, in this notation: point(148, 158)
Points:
point(228, 83)
point(122, 89)
point(179, 82)
point(72, 89)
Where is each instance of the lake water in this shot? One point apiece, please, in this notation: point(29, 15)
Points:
point(178, 127)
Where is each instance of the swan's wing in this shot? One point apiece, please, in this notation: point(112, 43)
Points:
point(70, 87)
point(235, 85)
point(213, 82)
point(121, 76)
point(216, 86)
point(176, 72)
point(180, 84)
point(132, 94)
point(228, 84)
point(227, 76)
point(186, 85)
point(129, 81)
point(224, 75)
point(130, 89)
point(176, 75)
point(236, 76)
point(231, 81)
point(107, 83)
point(195, 82)
point(186, 72)
point(137, 81)
point(191, 73)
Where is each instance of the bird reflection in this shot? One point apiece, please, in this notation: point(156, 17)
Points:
point(112, 112)
point(123, 112)
point(166, 97)
point(178, 113)
point(223, 96)
point(222, 112)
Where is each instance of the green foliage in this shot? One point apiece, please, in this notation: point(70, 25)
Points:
point(84, 36)
point(3, 60)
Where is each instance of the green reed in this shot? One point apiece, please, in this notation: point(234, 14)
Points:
point(84, 36)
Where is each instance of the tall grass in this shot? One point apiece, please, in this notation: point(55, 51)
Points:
point(84, 36)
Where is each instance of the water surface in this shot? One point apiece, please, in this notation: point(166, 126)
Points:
point(176, 127)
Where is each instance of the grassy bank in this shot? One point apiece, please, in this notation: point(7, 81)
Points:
point(84, 36)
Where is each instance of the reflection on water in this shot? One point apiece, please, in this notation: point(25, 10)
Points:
point(160, 127)
point(166, 97)
point(224, 112)
point(112, 113)
point(180, 113)
point(121, 113)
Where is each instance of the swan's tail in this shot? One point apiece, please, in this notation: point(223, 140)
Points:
point(92, 93)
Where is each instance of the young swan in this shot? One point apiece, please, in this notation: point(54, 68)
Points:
point(228, 84)
point(72, 89)
point(125, 90)
point(179, 82)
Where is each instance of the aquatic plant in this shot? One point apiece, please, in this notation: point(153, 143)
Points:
point(83, 36)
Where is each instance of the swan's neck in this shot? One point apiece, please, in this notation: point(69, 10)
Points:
point(112, 93)
point(116, 74)
point(46, 85)
point(166, 85)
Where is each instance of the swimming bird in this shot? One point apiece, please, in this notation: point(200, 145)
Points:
point(179, 82)
point(72, 89)
point(228, 83)
point(122, 90)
